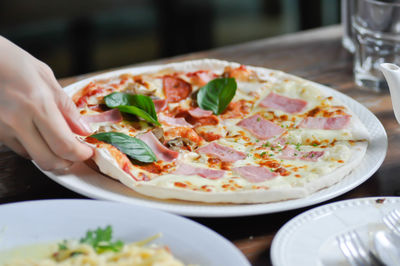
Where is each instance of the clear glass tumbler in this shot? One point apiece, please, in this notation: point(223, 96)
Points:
point(376, 28)
point(347, 9)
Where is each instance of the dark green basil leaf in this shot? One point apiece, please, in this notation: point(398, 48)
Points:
point(139, 112)
point(217, 94)
point(133, 147)
point(136, 104)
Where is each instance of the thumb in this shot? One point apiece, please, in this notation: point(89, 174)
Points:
point(71, 114)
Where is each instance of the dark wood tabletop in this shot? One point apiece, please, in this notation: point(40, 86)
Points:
point(316, 55)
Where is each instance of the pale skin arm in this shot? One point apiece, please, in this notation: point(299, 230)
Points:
point(37, 119)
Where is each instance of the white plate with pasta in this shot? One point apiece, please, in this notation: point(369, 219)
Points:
point(66, 230)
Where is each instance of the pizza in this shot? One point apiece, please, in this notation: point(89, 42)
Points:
point(216, 131)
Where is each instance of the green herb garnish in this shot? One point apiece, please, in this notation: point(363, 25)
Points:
point(136, 104)
point(100, 240)
point(217, 94)
point(298, 146)
point(266, 144)
point(62, 245)
point(133, 147)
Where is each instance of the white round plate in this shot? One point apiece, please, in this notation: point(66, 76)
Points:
point(49, 221)
point(309, 238)
point(90, 183)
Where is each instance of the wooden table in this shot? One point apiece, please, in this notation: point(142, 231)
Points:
point(316, 55)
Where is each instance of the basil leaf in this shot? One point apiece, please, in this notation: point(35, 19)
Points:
point(136, 104)
point(130, 109)
point(217, 94)
point(133, 147)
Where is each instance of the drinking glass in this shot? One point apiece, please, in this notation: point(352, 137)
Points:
point(347, 9)
point(376, 28)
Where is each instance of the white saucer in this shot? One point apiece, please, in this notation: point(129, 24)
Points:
point(309, 238)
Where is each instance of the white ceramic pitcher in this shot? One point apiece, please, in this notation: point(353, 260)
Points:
point(392, 75)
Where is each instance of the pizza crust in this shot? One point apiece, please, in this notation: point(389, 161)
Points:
point(108, 165)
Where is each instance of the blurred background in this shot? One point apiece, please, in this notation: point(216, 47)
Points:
point(80, 36)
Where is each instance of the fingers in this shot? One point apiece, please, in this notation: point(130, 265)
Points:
point(16, 146)
point(55, 131)
point(7, 137)
point(65, 103)
point(38, 149)
point(29, 100)
point(71, 114)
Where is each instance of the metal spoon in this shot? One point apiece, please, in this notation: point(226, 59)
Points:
point(387, 245)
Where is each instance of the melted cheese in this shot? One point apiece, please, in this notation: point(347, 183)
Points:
point(297, 173)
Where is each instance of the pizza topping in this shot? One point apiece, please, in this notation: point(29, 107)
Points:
point(156, 167)
point(176, 89)
point(254, 174)
point(186, 169)
point(97, 107)
point(217, 94)
point(200, 120)
point(291, 153)
point(236, 109)
point(204, 121)
point(158, 132)
point(326, 111)
point(140, 87)
point(161, 152)
point(312, 156)
point(172, 121)
point(241, 73)
point(199, 113)
point(112, 116)
point(133, 147)
point(179, 143)
point(223, 153)
point(329, 123)
point(201, 77)
point(81, 98)
point(283, 103)
point(139, 105)
point(282, 171)
point(209, 141)
point(183, 132)
point(160, 104)
point(209, 136)
point(260, 127)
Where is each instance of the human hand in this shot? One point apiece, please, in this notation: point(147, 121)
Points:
point(37, 118)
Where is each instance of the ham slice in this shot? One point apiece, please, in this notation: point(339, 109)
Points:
point(330, 123)
point(260, 127)
point(254, 174)
point(283, 103)
point(198, 113)
point(113, 115)
point(186, 169)
point(172, 121)
point(224, 153)
point(160, 104)
point(290, 153)
point(162, 152)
